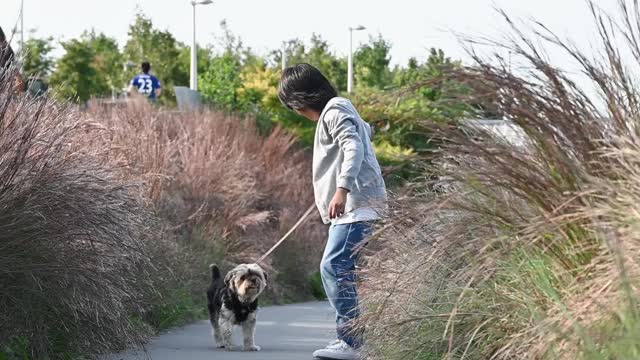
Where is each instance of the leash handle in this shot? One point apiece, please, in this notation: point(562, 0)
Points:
point(300, 221)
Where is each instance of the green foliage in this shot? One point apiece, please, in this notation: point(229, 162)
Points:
point(204, 59)
point(75, 77)
point(617, 337)
point(392, 153)
point(421, 96)
point(395, 101)
point(93, 65)
point(335, 68)
point(89, 68)
point(17, 348)
point(219, 84)
point(371, 64)
point(317, 289)
point(38, 60)
point(319, 55)
point(239, 81)
point(258, 94)
point(107, 61)
point(416, 72)
point(175, 307)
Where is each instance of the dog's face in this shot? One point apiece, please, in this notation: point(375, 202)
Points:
point(247, 281)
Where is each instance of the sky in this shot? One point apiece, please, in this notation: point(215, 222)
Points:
point(412, 26)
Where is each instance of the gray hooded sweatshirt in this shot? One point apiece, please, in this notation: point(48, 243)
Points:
point(343, 157)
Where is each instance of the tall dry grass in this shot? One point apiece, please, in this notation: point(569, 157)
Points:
point(110, 217)
point(225, 192)
point(532, 253)
point(73, 250)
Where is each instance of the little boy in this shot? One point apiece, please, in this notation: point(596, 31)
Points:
point(348, 187)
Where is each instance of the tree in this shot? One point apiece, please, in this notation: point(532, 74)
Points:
point(229, 42)
point(424, 94)
point(258, 93)
point(204, 59)
point(334, 68)
point(295, 52)
point(220, 82)
point(223, 82)
point(107, 62)
point(90, 67)
point(38, 60)
point(432, 68)
point(318, 55)
point(371, 62)
point(75, 76)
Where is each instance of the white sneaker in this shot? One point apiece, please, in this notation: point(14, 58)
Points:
point(337, 350)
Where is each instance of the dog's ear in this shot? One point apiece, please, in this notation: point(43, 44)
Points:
point(229, 277)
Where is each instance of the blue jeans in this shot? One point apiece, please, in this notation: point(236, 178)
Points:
point(338, 270)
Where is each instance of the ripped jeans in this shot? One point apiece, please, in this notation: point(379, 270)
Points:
point(338, 270)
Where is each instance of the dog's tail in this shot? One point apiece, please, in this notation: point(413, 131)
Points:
point(215, 272)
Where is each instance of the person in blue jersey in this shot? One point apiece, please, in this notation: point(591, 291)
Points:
point(146, 84)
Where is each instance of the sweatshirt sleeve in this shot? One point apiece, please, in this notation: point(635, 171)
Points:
point(369, 130)
point(343, 130)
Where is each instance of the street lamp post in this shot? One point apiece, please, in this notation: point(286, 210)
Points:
point(194, 46)
point(284, 55)
point(350, 58)
point(22, 27)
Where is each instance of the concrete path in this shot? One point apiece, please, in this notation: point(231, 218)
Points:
point(290, 332)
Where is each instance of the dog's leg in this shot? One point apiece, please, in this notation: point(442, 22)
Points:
point(249, 333)
point(226, 333)
point(225, 324)
point(217, 338)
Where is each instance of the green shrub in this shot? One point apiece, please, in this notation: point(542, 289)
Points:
point(175, 307)
point(16, 348)
point(317, 289)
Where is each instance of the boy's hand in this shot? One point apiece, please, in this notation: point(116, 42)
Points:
point(337, 204)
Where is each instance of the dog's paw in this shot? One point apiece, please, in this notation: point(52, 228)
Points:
point(220, 346)
point(252, 348)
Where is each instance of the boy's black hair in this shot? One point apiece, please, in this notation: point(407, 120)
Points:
point(3, 38)
point(303, 86)
point(146, 67)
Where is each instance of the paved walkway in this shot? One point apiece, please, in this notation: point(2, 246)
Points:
point(290, 332)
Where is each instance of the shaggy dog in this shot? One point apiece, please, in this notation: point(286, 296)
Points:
point(234, 301)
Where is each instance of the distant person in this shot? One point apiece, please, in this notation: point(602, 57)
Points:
point(146, 84)
point(6, 60)
point(6, 53)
